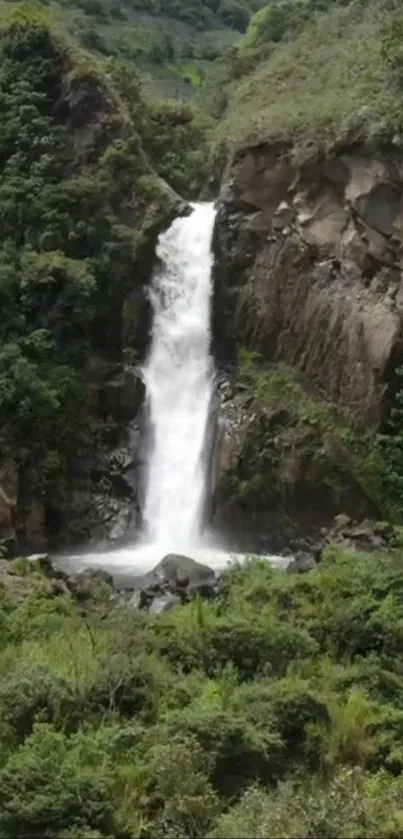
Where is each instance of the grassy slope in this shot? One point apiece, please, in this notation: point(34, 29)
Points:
point(175, 52)
point(327, 85)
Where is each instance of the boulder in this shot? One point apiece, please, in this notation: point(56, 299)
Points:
point(141, 599)
point(176, 568)
point(203, 588)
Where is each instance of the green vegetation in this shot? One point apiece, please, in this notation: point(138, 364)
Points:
point(174, 133)
point(163, 38)
point(275, 23)
point(314, 80)
point(75, 213)
point(275, 710)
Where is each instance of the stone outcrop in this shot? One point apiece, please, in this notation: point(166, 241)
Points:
point(366, 536)
point(309, 268)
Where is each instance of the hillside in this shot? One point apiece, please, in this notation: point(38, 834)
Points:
point(175, 42)
point(318, 82)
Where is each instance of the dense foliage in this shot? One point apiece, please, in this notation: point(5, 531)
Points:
point(173, 133)
point(275, 711)
point(47, 277)
point(175, 40)
point(75, 208)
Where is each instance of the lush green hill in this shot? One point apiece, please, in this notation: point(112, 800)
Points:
point(175, 41)
point(317, 79)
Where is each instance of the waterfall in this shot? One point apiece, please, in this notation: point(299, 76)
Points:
point(180, 408)
point(179, 376)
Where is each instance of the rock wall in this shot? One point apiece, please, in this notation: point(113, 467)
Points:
point(308, 274)
point(309, 268)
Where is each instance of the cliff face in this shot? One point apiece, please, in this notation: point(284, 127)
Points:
point(311, 268)
point(308, 274)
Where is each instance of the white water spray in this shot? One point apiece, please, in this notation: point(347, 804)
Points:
point(179, 381)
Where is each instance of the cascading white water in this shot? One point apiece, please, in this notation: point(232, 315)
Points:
point(179, 377)
point(179, 381)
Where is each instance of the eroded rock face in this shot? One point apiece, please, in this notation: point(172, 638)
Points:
point(310, 264)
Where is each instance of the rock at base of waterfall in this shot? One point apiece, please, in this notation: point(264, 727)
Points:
point(208, 589)
point(182, 570)
point(176, 580)
point(141, 599)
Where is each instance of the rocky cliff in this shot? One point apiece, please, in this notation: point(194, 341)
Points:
point(312, 264)
point(309, 275)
